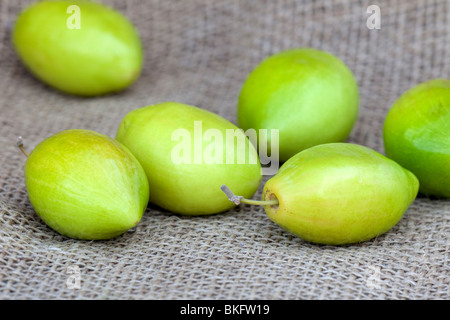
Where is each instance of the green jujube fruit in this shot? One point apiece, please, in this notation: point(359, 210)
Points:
point(416, 134)
point(309, 95)
point(338, 193)
point(78, 47)
point(86, 185)
point(186, 155)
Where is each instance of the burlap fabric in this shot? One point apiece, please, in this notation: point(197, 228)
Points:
point(199, 52)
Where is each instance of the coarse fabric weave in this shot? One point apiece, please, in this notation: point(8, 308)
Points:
point(199, 52)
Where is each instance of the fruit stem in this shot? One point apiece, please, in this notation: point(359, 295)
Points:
point(20, 145)
point(240, 199)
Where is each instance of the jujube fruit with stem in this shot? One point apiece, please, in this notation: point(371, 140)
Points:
point(337, 193)
point(309, 95)
point(187, 154)
point(90, 51)
point(416, 134)
point(86, 185)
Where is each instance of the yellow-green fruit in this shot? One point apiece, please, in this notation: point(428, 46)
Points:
point(339, 193)
point(79, 47)
point(309, 95)
point(417, 135)
point(86, 185)
point(187, 155)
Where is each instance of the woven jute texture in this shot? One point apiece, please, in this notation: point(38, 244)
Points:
point(199, 52)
